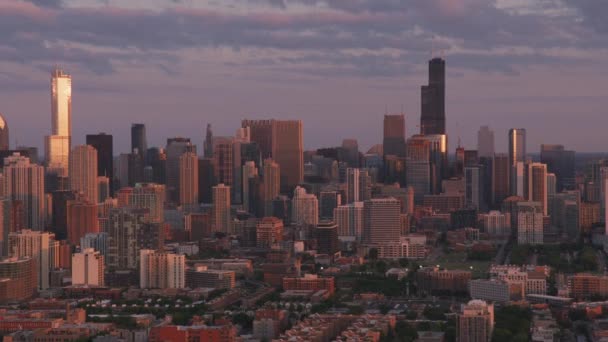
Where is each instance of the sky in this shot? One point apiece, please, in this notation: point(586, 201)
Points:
point(338, 65)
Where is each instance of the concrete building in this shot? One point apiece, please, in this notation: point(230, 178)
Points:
point(269, 231)
point(83, 172)
point(24, 182)
point(188, 180)
point(304, 208)
point(37, 245)
point(201, 276)
point(382, 221)
point(88, 268)
point(221, 219)
point(475, 322)
point(530, 226)
point(160, 270)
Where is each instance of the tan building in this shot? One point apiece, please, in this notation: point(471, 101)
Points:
point(584, 285)
point(221, 219)
point(149, 196)
point(88, 268)
point(188, 180)
point(269, 231)
point(81, 219)
point(83, 172)
point(18, 279)
point(161, 270)
point(435, 280)
point(475, 322)
point(37, 245)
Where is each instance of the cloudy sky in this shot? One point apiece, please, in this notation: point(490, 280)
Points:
point(338, 65)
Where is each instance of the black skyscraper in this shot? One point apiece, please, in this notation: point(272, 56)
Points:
point(105, 157)
point(432, 120)
point(138, 140)
point(560, 162)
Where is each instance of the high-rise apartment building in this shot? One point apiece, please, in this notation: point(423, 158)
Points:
point(475, 322)
point(223, 160)
point(432, 120)
point(304, 208)
point(485, 142)
point(124, 228)
point(394, 135)
point(221, 219)
point(381, 220)
point(36, 245)
point(88, 268)
point(161, 270)
point(328, 202)
point(530, 226)
point(149, 196)
point(104, 145)
point(269, 231)
point(83, 172)
point(349, 219)
point(24, 182)
point(58, 144)
point(271, 184)
point(188, 180)
point(19, 275)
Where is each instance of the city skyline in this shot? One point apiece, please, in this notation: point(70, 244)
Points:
point(226, 81)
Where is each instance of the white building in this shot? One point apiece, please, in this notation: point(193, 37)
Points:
point(349, 219)
point(160, 270)
point(304, 208)
point(530, 227)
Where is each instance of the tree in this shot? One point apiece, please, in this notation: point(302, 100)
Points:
point(373, 254)
point(403, 262)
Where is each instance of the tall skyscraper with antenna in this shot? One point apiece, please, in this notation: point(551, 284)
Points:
point(58, 144)
point(432, 120)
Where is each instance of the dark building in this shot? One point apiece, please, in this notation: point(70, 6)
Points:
point(394, 170)
point(560, 162)
point(138, 139)
point(464, 218)
point(349, 152)
point(394, 135)
point(328, 201)
point(157, 161)
point(206, 180)
point(281, 208)
point(135, 169)
point(60, 200)
point(208, 144)
point(151, 236)
point(326, 235)
point(103, 143)
point(501, 188)
point(470, 158)
point(432, 120)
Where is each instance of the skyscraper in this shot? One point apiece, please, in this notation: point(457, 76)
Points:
point(304, 208)
point(103, 143)
point(358, 185)
point(537, 185)
point(138, 140)
point(223, 160)
point(501, 168)
point(83, 172)
point(58, 144)
point(221, 219)
point(288, 151)
point(328, 202)
point(175, 148)
point(249, 171)
point(432, 120)
point(473, 194)
point(81, 218)
point(418, 168)
point(4, 136)
point(281, 140)
point(394, 135)
point(438, 144)
point(485, 142)
point(349, 219)
point(149, 196)
point(560, 162)
point(517, 145)
point(272, 184)
point(208, 145)
point(381, 220)
point(88, 268)
point(530, 229)
point(188, 180)
point(24, 182)
point(125, 228)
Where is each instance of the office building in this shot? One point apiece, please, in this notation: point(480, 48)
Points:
point(561, 162)
point(88, 268)
point(492, 290)
point(24, 182)
point(96, 241)
point(475, 322)
point(139, 143)
point(103, 144)
point(221, 219)
point(304, 208)
point(474, 194)
point(438, 158)
point(381, 220)
point(326, 236)
point(250, 179)
point(432, 120)
point(81, 219)
point(496, 224)
point(309, 282)
point(530, 228)
point(58, 144)
point(83, 172)
point(349, 219)
point(432, 280)
point(328, 202)
point(418, 168)
point(206, 180)
point(518, 180)
point(271, 184)
point(485, 142)
point(223, 160)
point(36, 245)
point(394, 135)
point(161, 270)
point(501, 187)
point(269, 231)
point(517, 145)
point(358, 185)
point(188, 180)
